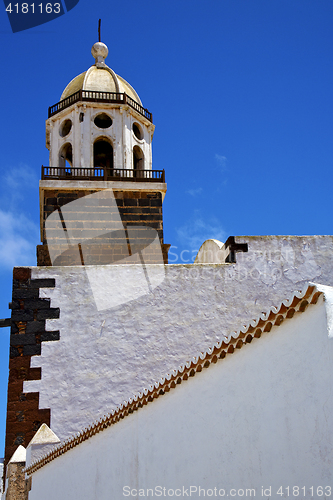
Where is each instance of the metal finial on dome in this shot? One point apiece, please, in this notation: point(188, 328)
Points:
point(99, 51)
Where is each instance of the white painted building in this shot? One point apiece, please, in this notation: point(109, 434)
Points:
point(255, 422)
point(103, 357)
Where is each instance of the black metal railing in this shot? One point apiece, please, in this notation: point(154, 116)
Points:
point(94, 96)
point(102, 174)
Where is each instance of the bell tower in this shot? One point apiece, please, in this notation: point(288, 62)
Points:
point(100, 138)
point(100, 203)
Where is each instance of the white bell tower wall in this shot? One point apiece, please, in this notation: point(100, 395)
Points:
point(75, 129)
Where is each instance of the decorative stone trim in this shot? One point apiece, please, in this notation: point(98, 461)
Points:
point(28, 331)
point(298, 302)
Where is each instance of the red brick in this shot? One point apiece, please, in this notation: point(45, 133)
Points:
point(21, 273)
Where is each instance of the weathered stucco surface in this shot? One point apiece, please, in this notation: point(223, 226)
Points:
point(261, 417)
point(1, 475)
point(104, 357)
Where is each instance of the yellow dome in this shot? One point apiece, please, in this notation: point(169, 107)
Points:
point(99, 77)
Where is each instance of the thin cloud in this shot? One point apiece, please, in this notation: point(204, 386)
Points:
point(19, 235)
point(18, 238)
point(194, 192)
point(192, 234)
point(21, 178)
point(221, 161)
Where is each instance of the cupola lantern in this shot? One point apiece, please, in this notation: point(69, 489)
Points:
point(99, 122)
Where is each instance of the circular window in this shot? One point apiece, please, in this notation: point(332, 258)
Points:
point(137, 131)
point(65, 128)
point(102, 121)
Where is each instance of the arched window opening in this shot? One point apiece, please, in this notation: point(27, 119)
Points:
point(103, 157)
point(138, 161)
point(66, 158)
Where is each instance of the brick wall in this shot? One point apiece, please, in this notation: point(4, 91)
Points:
point(29, 314)
point(136, 208)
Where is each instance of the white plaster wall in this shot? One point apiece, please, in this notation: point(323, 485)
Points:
point(83, 145)
point(262, 417)
point(276, 259)
point(104, 357)
point(145, 144)
point(57, 141)
point(127, 134)
point(1, 475)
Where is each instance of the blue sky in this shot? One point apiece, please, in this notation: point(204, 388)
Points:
point(241, 95)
